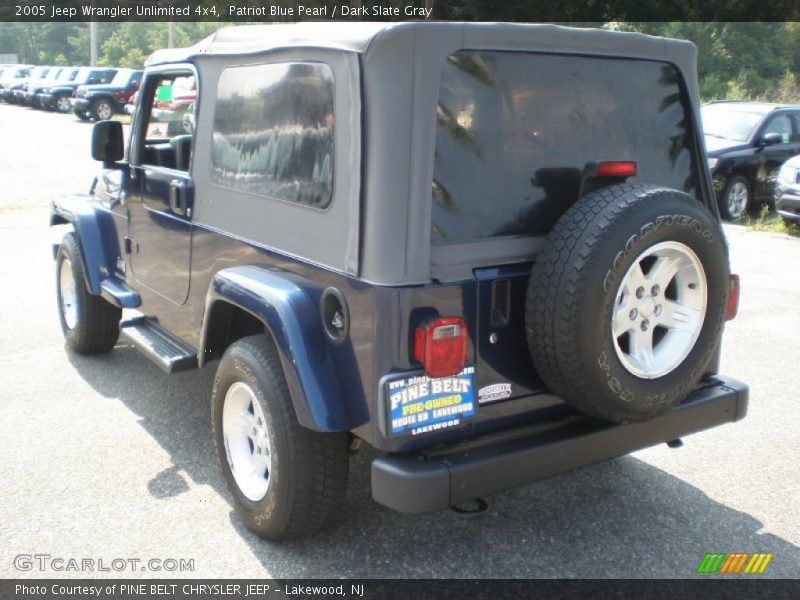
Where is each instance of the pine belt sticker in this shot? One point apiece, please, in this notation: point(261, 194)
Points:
point(493, 393)
point(423, 405)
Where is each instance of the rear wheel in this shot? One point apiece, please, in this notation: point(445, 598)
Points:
point(626, 301)
point(90, 323)
point(62, 104)
point(286, 481)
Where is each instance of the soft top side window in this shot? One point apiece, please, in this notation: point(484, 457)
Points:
point(273, 132)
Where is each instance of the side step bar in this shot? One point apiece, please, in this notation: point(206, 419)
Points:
point(416, 483)
point(160, 346)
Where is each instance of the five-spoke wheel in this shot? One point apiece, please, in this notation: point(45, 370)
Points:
point(247, 441)
point(659, 310)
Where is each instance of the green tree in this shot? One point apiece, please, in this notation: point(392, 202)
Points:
point(131, 43)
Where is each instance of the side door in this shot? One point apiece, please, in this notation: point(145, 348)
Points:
point(160, 207)
point(774, 155)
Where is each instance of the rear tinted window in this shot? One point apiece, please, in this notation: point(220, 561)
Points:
point(515, 131)
point(273, 132)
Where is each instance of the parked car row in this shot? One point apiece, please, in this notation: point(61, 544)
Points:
point(88, 92)
point(750, 148)
point(96, 93)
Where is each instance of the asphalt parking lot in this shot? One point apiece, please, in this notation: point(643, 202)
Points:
point(107, 458)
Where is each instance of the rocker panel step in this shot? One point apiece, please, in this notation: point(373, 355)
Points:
point(160, 346)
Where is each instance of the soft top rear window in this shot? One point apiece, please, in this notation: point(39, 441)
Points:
point(515, 131)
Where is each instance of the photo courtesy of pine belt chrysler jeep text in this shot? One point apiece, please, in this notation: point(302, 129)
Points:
point(490, 251)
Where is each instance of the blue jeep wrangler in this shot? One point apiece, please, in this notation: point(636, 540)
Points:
point(490, 251)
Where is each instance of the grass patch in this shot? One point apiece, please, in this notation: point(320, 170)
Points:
point(770, 222)
point(124, 119)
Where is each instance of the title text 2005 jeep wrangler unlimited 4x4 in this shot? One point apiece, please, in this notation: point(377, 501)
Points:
point(490, 251)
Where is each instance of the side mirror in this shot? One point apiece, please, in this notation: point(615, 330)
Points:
point(770, 139)
point(107, 142)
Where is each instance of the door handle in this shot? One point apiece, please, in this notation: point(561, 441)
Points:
point(177, 197)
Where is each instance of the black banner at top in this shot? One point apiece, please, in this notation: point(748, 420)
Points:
point(571, 11)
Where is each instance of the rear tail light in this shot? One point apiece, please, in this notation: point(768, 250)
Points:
point(441, 346)
point(617, 168)
point(733, 297)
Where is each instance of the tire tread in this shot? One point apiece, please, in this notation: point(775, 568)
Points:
point(97, 330)
point(321, 460)
point(555, 292)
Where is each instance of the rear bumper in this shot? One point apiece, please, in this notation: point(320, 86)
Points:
point(418, 483)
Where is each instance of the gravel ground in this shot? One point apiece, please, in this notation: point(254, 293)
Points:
point(108, 458)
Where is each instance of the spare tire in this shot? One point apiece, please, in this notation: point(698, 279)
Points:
point(626, 301)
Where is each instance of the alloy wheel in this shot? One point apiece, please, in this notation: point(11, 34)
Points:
point(659, 310)
point(247, 441)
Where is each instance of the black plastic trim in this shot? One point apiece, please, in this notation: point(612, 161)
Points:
point(159, 345)
point(416, 483)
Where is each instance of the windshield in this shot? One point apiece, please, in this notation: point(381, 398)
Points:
point(122, 77)
point(729, 122)
point(54, 73)
point(67, 75)
point(83, 74)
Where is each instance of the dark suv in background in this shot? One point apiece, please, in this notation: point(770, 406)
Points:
point(14, 77)
point(746, 144)
point(61, 76)
point(27, 95)
point(35, 79)
point(57, 97)
point(101, 101)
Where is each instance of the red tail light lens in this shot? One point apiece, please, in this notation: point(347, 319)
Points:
point(617, 168)
point(441, 346)
point(733, 297)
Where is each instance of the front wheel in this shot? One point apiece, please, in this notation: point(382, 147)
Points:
point(101, 110)
point(736, 198)
point(286, 481)
point(90, 323)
